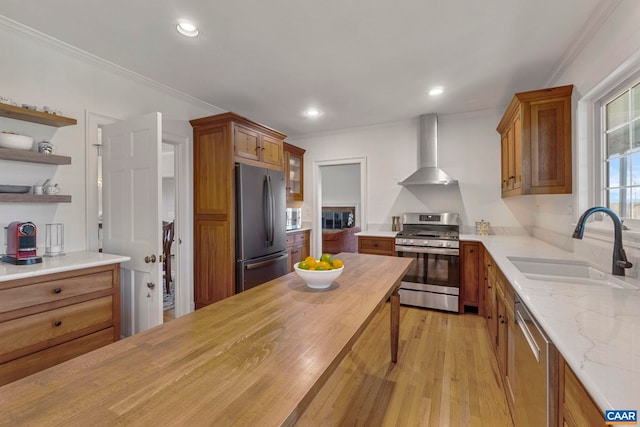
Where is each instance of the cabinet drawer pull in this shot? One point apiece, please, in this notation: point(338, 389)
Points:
point(57, 323)
point(57, 290)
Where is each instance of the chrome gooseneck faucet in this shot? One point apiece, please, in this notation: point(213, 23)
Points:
point(620, 261)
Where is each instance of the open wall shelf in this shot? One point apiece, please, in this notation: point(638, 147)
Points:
point(33, 157)
point(26, 115)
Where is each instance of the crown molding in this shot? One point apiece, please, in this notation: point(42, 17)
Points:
point(29, 33)
point(591, 27)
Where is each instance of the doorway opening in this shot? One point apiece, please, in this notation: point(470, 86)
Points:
point(340, 208)
point(169, 252)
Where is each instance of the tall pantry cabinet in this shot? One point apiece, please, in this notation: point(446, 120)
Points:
point(218, 143)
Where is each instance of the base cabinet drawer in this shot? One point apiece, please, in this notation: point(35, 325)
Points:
point(376, 245)
point(52, 291)
point(27, 365)
point(32, 333)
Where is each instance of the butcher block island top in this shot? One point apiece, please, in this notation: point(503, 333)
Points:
point(257, 358)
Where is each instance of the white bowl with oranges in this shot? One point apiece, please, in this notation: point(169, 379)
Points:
point(319, 274)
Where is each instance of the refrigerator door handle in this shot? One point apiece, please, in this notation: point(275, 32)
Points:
point(266, 202)
point(272, 214)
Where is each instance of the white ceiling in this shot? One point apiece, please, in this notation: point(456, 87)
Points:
point(360, 61)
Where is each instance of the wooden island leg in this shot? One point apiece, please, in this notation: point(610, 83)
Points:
point(395, 324)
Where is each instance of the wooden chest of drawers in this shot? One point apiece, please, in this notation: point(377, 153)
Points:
point(48, 319)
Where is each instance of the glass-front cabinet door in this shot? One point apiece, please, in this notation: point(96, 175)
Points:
point(294, 172)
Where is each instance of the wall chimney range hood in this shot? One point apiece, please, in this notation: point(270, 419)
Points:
point(428, 172)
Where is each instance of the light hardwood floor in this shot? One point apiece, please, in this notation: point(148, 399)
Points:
point(446, 375)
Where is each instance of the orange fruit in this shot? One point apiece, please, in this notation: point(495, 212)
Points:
point(324, 264)
point(310, 261)
point(303, 265)
point(337, 263)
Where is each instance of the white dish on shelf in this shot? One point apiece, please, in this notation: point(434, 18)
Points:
point(15, 141)
point(17, 189)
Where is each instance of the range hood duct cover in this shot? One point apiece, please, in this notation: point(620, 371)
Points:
point(428, 172)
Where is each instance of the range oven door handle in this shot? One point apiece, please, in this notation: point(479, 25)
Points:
point(426, 250)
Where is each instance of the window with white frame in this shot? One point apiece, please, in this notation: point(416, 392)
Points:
point(620, 119)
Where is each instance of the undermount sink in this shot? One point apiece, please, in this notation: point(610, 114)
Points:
point(567, 271)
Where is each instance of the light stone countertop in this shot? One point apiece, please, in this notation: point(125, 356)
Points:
point(595, 328)
point(297, 230)
point(50, 265)
point(377, 233)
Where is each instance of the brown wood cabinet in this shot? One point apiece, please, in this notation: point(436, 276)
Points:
point(298, 246)
point(471, 276)
point(294, 172)
point(377, 245)
point(218, 142)
point(254, 146)
point(499, 313)
point(45, 320)
point(535, 134)
point(505, 344)
point(577, 409)
point(491, 301)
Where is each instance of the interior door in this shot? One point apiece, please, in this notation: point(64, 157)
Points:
point(132, 215)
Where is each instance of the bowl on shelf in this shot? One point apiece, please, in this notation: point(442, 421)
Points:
point(318, 279)
point(15, 141)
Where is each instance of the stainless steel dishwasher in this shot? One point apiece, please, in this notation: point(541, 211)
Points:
point(536, 373)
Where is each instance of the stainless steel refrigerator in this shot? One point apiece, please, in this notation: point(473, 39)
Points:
point(261, 240)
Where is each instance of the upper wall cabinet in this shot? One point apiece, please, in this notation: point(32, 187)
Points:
point(535, 134)
point(257, 145)
point(294, 172)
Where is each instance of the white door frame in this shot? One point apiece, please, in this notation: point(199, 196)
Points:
point(94, 122)
point(184, 197)
point(316, 219)
point(179, 134)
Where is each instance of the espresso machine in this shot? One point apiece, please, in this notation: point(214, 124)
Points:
point(21, 244)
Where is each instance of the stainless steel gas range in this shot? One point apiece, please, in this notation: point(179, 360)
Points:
point(433, 281)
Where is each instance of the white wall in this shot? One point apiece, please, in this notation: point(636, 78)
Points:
point(340, 185)
point(469, 150)
point(41, 72)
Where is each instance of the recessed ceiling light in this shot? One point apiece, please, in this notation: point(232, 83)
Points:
point(312, 113)
point(436, 91)
point(187, 29)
